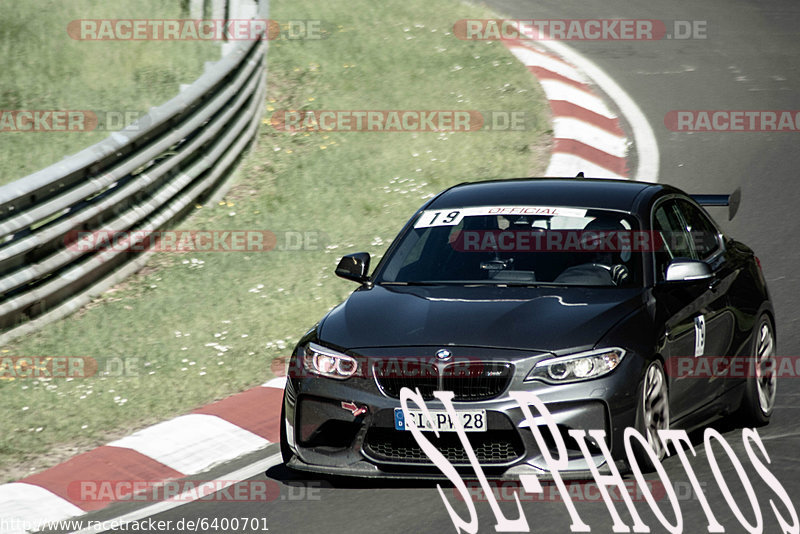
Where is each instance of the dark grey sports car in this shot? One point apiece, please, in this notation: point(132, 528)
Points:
point(600, 296)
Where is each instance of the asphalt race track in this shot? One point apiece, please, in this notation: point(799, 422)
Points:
point(747, 62)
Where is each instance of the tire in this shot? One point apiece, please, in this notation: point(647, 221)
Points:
point(758, 399)
point(652, 415)
point(286, 451)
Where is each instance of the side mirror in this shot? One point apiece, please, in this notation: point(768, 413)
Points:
point(354, 267)
point(686, 270)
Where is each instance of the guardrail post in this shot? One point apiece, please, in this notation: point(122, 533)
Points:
point(218, 8)
point(196, 9)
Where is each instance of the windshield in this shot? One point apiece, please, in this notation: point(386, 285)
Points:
point(518, 245)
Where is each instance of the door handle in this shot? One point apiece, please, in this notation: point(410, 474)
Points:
point(714, 284)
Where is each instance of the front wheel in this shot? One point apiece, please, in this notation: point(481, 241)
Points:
point(652, 415)
point(758, 400)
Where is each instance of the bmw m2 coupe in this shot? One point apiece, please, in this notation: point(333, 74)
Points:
point(618, 303)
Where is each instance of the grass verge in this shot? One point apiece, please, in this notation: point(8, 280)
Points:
point(203, 326)
point(43, 68)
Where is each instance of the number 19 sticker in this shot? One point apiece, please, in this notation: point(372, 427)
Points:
point(439, 218)
point(451, 217)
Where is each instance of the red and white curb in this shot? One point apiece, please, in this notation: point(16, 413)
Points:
point(587, 134)
point(180, 447)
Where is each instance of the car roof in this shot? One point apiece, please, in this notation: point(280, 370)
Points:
point(579, 192)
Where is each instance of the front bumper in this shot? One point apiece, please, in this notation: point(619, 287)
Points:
point(325, 436)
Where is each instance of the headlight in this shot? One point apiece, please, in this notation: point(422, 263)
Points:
point(575, 367)
point(328, 362)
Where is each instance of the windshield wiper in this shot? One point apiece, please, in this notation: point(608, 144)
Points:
point(427, 283)
point(408, 283)
point(495, 283)
point(524, 284)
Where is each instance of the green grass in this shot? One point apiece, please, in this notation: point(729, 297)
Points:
point(43, 68)
point(356, 188)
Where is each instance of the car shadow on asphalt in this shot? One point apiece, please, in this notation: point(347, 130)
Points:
point(290, 477)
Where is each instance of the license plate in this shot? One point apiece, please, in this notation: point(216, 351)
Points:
point(471, 420)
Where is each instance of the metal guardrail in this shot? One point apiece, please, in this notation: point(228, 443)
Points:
point(144, 177)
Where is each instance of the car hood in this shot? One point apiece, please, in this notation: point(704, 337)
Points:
point(543, 319)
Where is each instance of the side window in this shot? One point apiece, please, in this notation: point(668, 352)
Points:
point(674, 237)
point(703, 233)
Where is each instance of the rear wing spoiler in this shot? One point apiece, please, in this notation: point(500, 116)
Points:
point(732, 201)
